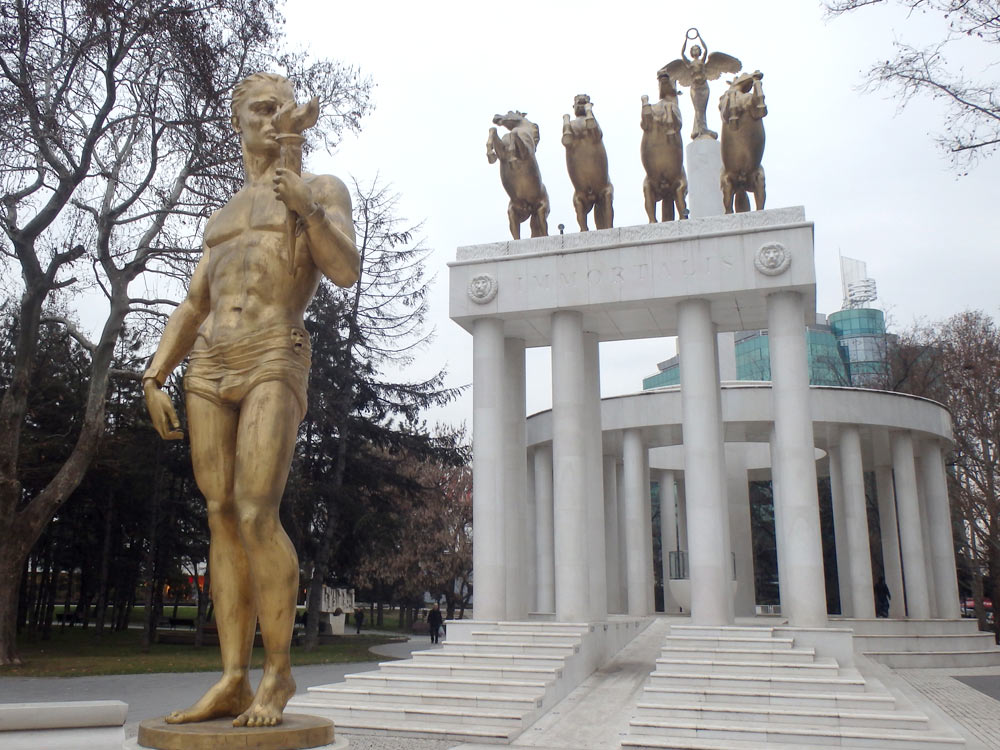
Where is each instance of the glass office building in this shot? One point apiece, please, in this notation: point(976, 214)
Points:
point(848, 349)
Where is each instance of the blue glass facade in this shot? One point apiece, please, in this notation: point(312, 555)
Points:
point(849, 351)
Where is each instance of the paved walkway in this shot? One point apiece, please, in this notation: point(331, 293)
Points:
point(964, 695)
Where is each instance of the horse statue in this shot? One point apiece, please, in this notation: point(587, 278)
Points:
point(587, 162)
point(743, 110)
point(519, 172)
point(662, 153)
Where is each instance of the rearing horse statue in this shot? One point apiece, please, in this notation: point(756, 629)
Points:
point(743, 110)
point(519, 172)
point(662, 153)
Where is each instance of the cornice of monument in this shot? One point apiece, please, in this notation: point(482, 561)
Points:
point(633, 236)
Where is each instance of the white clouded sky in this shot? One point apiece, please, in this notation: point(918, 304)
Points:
point(869, 176)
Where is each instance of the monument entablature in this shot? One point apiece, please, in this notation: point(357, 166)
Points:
point(747, 415)
point(628, 281)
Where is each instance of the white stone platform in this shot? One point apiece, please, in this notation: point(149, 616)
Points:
point(917, 644)
point(489, 682)
point(63, 725)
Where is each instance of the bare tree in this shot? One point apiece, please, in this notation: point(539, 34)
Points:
point(957, 362)
point(115, 147)
point(971, 128)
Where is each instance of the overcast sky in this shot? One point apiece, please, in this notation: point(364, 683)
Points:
point(869, 175)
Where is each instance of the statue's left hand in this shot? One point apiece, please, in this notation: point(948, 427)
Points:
point(292, 191)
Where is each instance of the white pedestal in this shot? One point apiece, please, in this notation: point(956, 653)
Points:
point(704, 172)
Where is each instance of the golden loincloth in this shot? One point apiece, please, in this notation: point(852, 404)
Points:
point(225, 373)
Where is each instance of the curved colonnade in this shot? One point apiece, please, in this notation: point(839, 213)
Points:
point(900, 438)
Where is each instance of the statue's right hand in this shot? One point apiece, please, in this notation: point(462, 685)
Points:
point(645, 100)
point(162, 412)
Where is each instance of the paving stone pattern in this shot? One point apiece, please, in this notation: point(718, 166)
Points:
point(977, 712)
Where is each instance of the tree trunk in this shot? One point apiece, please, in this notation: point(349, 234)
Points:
point(103, 585)
point(23, 597)
point(67, 600)
point(9, 588)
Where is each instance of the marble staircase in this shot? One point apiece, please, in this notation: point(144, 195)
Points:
point(487, 684)
point(905, 644)
point(743, 688)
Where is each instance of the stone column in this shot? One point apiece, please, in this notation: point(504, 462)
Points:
point(779, 533)
point(569, 468)
point(612, 551)
point(649, 584)
point(840, 532)
point(856, 514)
point(544, 540)
point(595, 479)
point(515, 481)
point(925, 530)
point(738, 493)
point(890, 540)
point(531, 540)
point(704, 465)
point(911, 540)
point(488, 546)
point(803, 592)
point(635, 544)
point(942, 542)
point(682, 515)
point(668, 535)
point(622, 535)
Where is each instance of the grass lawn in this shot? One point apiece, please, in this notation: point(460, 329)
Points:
point(75, 653)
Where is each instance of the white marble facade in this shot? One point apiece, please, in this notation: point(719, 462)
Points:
point(561, 500)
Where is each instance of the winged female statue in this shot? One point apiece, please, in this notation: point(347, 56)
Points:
point(695, 72)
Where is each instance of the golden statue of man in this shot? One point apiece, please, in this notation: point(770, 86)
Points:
point(241, 325)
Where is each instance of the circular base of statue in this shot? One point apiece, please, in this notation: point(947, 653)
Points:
point(296, 732)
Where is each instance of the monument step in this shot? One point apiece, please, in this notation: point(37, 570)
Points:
point(523, 636)
point(446, 655)
point(428, 730)
point(899, 739)
point(513, 647)
point(886, 626)
point(520, 702)
point(713, 642)
point(451, 684)
point(536, 626)
point(396, 713)
point(810, 715)
point(741, 654)
point(823, 699)
point(722, 665)
point(758, 681)
point(930, 659)
point(470, 671)
point(925, 642)
point(724, 632)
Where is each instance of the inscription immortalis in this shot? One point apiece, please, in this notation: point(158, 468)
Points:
point(688, 266)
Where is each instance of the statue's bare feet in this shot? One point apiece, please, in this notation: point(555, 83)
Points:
point(228, 697)
point(274, 691)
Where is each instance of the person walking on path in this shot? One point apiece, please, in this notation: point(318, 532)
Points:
point(435, 620)
point(359, 619)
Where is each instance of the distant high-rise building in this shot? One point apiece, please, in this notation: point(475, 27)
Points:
point(848, 348)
